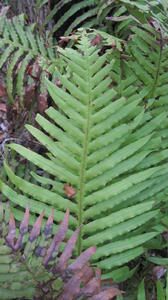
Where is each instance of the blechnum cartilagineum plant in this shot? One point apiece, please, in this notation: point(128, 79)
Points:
point(31, 266)
point(99, 143)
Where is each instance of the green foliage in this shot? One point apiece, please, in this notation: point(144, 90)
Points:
point(112, 16)
point(99, 144)
point(120, 16)
point(31, 267)
point(142, 69)
point(149, 52)
point(141, 291)
point(58, 16)
point(159, 291)
point(148, 46)
point(20, 48)
point(85, 12)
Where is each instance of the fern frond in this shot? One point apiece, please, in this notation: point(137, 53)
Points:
point(30, 266)
point(147, 40)
point(20, 46)
point(102, 145)
point(82, 20)
point(150, 52)
point(124, 13)
point(74, 9)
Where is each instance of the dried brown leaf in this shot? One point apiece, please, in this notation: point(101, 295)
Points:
point(107, 294)
point(34, 70)
point(69, 191)
point(3, 107)
point(2, 137)
point(96, 41)
point(28, 96)
point(42, 103)
point(63, 40)
point(3, 92)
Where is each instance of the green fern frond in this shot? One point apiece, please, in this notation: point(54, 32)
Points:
point(91, 5)
point(149, 52)
point(145, 41)
point(100, 145)
point(120, 16)
point(81, 20)
point(20, 47)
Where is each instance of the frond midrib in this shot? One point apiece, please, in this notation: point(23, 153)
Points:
point(82, 171)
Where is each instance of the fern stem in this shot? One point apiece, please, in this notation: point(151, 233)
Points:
point(120, 74)
point(83, 168)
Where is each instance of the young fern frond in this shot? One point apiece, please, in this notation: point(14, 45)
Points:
point(31, 266)
point(98, 143)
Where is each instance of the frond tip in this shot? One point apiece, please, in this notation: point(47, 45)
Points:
point(33, 257)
